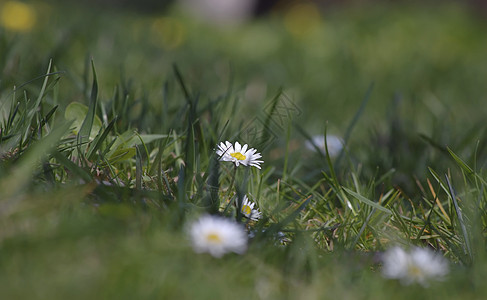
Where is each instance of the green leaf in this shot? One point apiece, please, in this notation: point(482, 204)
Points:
point(130, 139)
point(77, 113)
point(121, 155)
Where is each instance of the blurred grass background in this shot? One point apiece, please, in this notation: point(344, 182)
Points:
point(431, 54)
point(425, 61)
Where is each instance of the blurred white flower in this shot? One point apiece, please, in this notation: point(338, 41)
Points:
point(217, 236)
point(238, 154)
point(248, 209)
point(335, 144)
point(220, 11)
point(420, 265)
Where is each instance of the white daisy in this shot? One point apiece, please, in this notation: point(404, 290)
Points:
point(335, 144)
point(217, 236)
point(248, 209)
point(238, 154)
point(417, 266)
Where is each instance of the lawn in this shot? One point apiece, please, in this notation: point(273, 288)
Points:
point(113, 162)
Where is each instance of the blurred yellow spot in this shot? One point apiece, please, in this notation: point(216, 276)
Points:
point(214, 238)
point(415, 271)
point(169, 31)
point(301, 19)
point(17, 16)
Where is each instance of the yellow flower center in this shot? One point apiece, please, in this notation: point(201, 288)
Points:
point(415, 271)
point(238, 156)
point(214, 238)
point(246, 210)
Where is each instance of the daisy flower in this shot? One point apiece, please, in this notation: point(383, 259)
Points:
point(238, 154)
point(335, 144)
point(217, 236)
point(248, 209)
point(416, 266)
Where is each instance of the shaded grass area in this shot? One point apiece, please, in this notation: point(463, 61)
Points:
point(103, 257)
point(95, 195)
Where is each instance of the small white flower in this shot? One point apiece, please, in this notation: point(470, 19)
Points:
point(335, 144)
point(417, 266)
point(217, 236)
point(248, 209)
point(238, 154)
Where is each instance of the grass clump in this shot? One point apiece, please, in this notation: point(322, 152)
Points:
point(106, 159)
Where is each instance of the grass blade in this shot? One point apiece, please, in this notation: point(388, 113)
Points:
point(22, 172)
point(100, 139)
point(33, 110)
point(354, 121)
point(463, 226)
point(85, 130)
point(367, 201)
point(138, 168)
point(212, 200)
point(71, 166)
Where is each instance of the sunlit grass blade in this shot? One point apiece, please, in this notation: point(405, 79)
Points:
point(461, 220)
point(461, 163)
point(367, 201)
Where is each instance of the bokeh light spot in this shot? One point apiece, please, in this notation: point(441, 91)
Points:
point(301, 19)
point(169, 32)
point(17, 16)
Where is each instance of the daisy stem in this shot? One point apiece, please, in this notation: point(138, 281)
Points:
point(231, 183)
point(286, 156)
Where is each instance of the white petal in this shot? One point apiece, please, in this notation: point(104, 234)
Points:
point(238, 147)
point(244, 149)
point(257, 155)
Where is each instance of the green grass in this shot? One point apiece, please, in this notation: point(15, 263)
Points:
point(108, 136)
